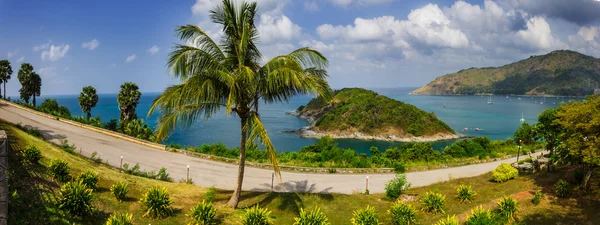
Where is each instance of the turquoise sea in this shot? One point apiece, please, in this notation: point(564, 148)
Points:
point(497, 121)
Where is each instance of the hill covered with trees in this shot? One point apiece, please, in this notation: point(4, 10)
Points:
point(562, 72)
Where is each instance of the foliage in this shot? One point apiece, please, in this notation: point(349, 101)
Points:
point(480, 216)
point(31, 83)
point(138, 129)
point(525, 134)
point(465, 193)
point(504, 172)
point(450, 220)
point(59, 169)
point(5, 72)
point(112, 124)
point(135, 170)
point(76, 198)
point(33, 154)
point(314, 217)
point(203, 214)
point(87, 100)
point(256, 216)
point(537, 198)
point(89, 178)
point(508, 207)
point(128, 99)
point(562, 188)
point(433, 202)
point(367, 216)
point(119, 190)
point(547, 129)
point(357, 109)
point(210, 194)
point(395, 187)
point(51, 106)
point(29, 129)
point(157, 202)
point(402, 214)
point(120, 219)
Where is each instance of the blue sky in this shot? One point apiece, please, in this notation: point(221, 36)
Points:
point(370, 43)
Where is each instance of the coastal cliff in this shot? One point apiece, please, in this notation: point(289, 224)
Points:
point(356, 113)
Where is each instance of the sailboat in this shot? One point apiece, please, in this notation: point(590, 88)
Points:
point(490, 100)
point(522, 118)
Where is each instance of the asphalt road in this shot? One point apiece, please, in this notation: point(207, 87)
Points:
point(222, 175)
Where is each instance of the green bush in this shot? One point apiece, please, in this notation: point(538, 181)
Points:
point(32, 154)
point(119, 190)
point(367, 216)
point(76, 198)
point(203, 214)
point(504, 172)
point(433, 202)
point(395, 187)
point(89, 178)
point(314, 217)
point(562, 188)
point(508, 207)
point(59, 169)
point(537, 198)
point(210, 194)
point(120, 219)
point(158, 202)
point(465, 193)
point(256, 216)
point(450, 220)
point(480, 216)
point(402, 214)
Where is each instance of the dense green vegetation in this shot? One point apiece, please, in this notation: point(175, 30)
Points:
point(562, 72)
point(357, 109)
point(5, 73)
point(31, 83)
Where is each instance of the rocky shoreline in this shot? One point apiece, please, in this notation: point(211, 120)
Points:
point(309, 132)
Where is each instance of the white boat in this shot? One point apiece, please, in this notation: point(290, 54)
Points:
point(490, 100)
point(522, 118)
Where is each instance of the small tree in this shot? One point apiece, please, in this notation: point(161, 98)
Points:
point(87, 100)
point(525, 133)
point(5, 72)
point(128, 99)
point(24, 76)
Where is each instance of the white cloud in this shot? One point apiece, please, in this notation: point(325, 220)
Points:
point(130, 58)
point(91, 45)
point(67, 69)
point(272, 28)
point(20, 60)
point(153, 50)
point(42, 46)
point(55, 52)
point(47, 72)
point(311, 6)
point(589, 33)
point(538, 34)
point(346, 3)
point(271, 7)
point(343, 3)
point(11, 54)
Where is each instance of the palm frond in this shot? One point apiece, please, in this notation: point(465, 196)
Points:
point(196, 37)
point(185, 61)
point(258, 131)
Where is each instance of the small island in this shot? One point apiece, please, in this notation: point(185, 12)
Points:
point(355, 113)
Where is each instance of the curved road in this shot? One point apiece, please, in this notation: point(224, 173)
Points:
point(222, 175)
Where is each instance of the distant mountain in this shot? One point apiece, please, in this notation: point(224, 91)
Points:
point(563, 72)
point(363, 114)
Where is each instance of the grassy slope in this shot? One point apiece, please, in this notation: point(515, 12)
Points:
point(557, 73)
point(357, 109)
point(38, 196)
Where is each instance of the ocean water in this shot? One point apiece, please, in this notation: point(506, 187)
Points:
point(497, 121)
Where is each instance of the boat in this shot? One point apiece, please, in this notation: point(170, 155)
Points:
point(466, 129)
point(522, 118)
point(477, 129)
point(490, 100)
point(444, 105)
point(519, 98)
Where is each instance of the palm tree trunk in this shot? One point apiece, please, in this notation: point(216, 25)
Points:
point(88, 115)
point(587, 176)
point(33, 101)
point(4, 90)
point(235, 198)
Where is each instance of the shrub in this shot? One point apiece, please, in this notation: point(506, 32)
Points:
point(450, 220)
point(119, 190)
point(89, 178)
point(59, 169)
point(465, 193)
point(210, 194)
point(256, 216)
point(163, 175)
point(395, 187)
point(537, 198)
point(508, 207)
point(203, 214)
point(158, 202)
point(402, 214)
point(562, 188)
point(314, 217)
point(76, 198)
point(367, 216)
point(120, 219)
point(480, 216)
point(433, 202)
point(504, 172)
point(32, 154)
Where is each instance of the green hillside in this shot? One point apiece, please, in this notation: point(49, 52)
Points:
point(365, 111)
point(562, 72)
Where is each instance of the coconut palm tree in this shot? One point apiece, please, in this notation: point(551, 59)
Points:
point(5, 72)
point(87, 100)
point(35, 86)
point(227, 75)
point(24, 76)
point(128, 99)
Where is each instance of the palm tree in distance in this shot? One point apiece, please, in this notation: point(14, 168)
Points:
point(128, 99)
point(5, 72)
point(87, 100)
point(228, 75)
